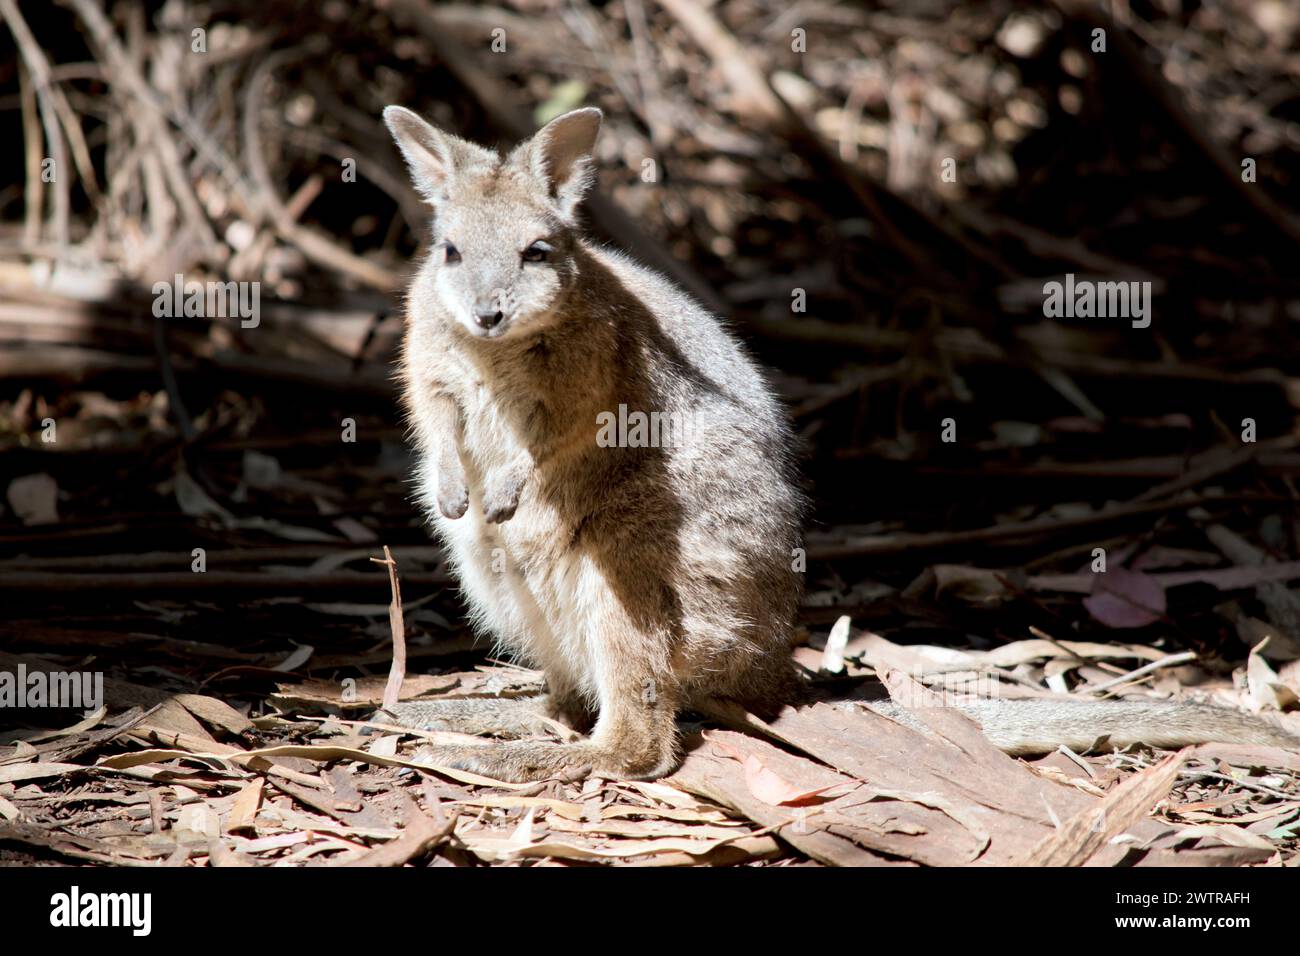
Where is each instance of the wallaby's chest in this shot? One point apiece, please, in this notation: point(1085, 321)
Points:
point(500, 419)
point(493, 429)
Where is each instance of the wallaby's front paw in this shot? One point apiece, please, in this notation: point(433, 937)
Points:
point(453, 497)
point(501, 499)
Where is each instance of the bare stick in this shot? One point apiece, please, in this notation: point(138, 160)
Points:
point(34, 190)
point(43, 74)
point(267, 202)
point(1171, 661)
point(149, 122)
point(1008, 531)
point(396, 674)
point(40, 72)
point(262, 582)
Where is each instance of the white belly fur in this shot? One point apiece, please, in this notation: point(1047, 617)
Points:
point(543, 617)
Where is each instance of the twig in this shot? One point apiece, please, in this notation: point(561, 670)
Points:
point(44, 76)
point(1010, 531)
point(40, 74)
point(149, 122)
point(34, 186)
point(221, 558)
point(1242, 782)
point(1173, 660)
point(397, 673)
point(1215, 464)
point(265, 582)
point(267, 201)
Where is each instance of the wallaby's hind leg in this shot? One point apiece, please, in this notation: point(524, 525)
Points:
point(568, 707)
point(631, 743)
point(635, 737)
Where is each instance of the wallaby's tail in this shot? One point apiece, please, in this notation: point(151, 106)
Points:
point(1040, 726)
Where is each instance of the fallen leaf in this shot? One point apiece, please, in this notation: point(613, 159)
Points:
point(1075, 842)
point(1122, 598)
point(769, 786)
point(833, 655)
point(34, 499)
point(244, 811)
point(1267, 691)
point(295, 658)
point(1227, 834)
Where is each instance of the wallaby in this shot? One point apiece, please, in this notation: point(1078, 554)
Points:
point(644, 572)
point(642, 568)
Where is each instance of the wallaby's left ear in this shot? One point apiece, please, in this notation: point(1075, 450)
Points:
point(560, 156)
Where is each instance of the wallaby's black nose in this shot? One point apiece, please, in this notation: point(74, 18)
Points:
point(488, 318)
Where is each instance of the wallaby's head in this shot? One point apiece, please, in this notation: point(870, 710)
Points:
point(504, 230)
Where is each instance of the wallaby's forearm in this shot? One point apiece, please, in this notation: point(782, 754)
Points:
point(439, 426)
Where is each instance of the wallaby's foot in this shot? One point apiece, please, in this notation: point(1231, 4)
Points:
point(635, 739)
point(500, 717)
point(523, 761)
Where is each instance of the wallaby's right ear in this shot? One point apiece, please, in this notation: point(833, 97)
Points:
point(434, 157)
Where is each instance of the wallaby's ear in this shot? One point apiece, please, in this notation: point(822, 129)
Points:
point(434, 157)
point(560, 156)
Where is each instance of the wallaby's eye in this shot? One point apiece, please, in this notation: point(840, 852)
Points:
point(451, 253)
point(537, 252)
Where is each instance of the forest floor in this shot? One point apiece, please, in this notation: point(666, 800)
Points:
point(193, 506)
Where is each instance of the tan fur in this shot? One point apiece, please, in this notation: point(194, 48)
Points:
point(638, 578)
